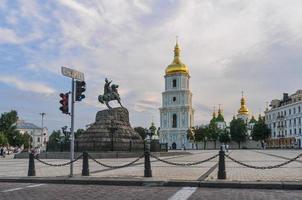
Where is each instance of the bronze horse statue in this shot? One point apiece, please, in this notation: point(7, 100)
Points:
point(110, 94)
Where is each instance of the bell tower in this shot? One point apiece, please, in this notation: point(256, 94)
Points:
point(176, 113)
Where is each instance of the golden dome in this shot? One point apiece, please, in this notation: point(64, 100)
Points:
point(243, 109)
point(177, 66)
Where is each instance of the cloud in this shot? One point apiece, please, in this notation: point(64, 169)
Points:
point(29, 86)
point(229, 46)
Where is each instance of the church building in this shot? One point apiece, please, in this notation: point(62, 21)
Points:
point(176, 113)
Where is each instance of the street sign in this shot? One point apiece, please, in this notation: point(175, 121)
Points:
point(72, 73)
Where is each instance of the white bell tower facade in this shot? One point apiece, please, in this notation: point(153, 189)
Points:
point(176, 113)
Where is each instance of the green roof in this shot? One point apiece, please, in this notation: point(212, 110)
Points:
point(219, 118)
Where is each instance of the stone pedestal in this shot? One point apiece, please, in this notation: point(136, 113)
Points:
point(111, 131)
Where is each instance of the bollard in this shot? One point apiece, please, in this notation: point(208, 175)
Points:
point(148, 171)
point(85, 167)
point(221, 165)
point(31, 165)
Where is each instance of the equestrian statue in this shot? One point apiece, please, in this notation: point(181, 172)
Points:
point(110, 94)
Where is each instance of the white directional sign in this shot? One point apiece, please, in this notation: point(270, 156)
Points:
point(72, 73)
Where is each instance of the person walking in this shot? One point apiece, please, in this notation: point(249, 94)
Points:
point(2, 152)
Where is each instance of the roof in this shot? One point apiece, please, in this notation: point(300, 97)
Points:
point(26, 125)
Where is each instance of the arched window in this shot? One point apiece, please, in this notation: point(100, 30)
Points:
point(174, 83)
point(174, 121)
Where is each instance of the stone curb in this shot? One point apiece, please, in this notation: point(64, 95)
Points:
point(156, 183)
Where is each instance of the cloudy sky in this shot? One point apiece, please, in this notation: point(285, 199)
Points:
point(229, 46)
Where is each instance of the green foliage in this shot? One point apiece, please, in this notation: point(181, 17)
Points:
point(8, 127)
point(55, 137)
point(224, 136)
point(141, 131)
point(238, 130)
point(202, 134)
point(260, 130)
point(3, 139)
point(78, 133)
point(27, 139)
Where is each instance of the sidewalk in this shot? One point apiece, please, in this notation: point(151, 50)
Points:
point(204, 174)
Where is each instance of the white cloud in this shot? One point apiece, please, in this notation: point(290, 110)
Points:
point(26, 85)
point(229, 46)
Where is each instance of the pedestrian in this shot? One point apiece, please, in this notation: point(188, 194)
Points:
point(2, 152)
point(227, 148)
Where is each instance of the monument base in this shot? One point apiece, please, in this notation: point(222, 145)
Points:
point(110, 132)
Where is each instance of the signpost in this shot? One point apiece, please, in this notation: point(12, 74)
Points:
point(73, 74)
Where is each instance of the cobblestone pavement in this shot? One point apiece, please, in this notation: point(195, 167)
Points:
point(161, 171)
point(20, 191)
point(236, 172)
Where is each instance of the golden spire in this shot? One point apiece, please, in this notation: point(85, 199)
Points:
point(214, 112)
point(219, 109)
point(243, 109)
point(177, 66)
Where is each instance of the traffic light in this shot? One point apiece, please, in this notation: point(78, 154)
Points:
point(80, 88)
point(64, 102)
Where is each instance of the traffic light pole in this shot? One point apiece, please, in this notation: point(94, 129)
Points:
point(72, 128)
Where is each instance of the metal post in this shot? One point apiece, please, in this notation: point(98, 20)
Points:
point(85, 167)
point(31, 165)
point(72, 128)
point(221, 165)
point(148, 171)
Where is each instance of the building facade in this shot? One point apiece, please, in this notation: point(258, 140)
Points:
point(284, 120)
point(39, 137)
point(176, 113)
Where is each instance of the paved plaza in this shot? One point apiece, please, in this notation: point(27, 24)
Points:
point(207, 171)
point(24, 191)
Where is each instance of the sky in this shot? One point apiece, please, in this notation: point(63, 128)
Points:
point(229, 46)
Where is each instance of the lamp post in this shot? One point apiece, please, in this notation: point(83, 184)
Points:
point(148, 171)
point(42, 128)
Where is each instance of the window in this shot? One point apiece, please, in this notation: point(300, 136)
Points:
point(290, 131)
point(299, 109)
point(294, 110)
point(295, 131)
point(299, 130)
point(284, 112)
point(174, 83)
point(38, 139)
point(174, 121)
point(289, 111)
point(295, 122)
point(174, 99)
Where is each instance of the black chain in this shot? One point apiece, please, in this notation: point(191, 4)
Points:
point(264, 167)
point(59, 165)
point(183, 164)
point(118, 166)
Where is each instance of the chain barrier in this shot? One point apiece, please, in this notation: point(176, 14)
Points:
point(264, 167)
point(115, 167)
point(183, 164)
point(59, 165)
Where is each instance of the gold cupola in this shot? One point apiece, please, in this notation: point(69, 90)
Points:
point(243, 109)
point(177, 66)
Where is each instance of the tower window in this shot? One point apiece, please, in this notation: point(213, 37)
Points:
point(174, 121)
point(174, 99)
point(174, 83)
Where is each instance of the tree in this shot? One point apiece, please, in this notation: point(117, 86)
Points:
point(8, 126)
point(78, 133)
point(27, 139)
point(238, 131)
point(213, 132)
point(3, 139)
point(224, 136)
point(260, 131)
point(202, 135)
point(55, 137)
point(141, 131)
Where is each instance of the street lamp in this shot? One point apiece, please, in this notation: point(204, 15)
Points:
point(42, 128)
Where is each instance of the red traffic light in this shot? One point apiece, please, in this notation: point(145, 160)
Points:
point(64, 103)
